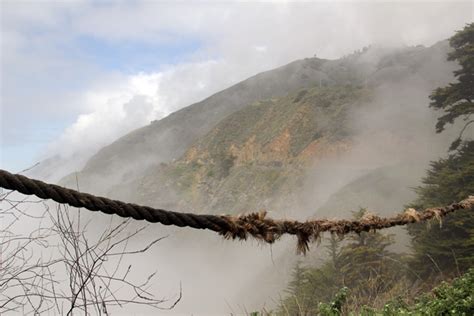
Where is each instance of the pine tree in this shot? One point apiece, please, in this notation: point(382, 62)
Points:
point(364, 266)
point(309, 286)
point(457, 99)
point(368, 268)
point(447, 247)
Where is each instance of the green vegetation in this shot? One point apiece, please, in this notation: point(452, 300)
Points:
point(456, 298)
point(446, 247)
point(363, 266)
point(457, 99)
point(243, 189)
point(306, 115)
point(449, 298)
point(253, 155)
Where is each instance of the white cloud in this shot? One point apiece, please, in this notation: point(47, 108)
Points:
point(111, 112)
point(126, 103)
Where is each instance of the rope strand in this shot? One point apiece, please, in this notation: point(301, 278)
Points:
point(256, 225)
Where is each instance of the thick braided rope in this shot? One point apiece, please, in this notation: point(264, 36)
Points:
point(253, 224)
point(74, 198)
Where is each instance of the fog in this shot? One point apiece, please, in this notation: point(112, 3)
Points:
point(96, 105)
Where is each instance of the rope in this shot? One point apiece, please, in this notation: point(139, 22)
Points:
point(256, 225)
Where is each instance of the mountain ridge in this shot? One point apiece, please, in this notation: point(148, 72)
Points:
point(118, 168)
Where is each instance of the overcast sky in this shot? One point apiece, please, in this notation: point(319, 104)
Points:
point(75, 75)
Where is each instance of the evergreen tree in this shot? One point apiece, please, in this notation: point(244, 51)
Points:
point(457, 99)
point(368, 268)
point(446, 247)
point(309, 286)
point(364, 266)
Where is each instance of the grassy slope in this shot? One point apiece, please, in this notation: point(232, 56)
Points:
point(259, 152)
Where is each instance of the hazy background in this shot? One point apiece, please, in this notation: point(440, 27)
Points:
point(76, 75)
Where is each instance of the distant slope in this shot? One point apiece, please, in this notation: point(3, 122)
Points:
point(385, 190)
point(257, 153)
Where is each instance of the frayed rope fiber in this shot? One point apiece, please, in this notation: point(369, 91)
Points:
point(241, 227)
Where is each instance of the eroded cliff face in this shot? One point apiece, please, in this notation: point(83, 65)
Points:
point(277, 152)
point(257, 157)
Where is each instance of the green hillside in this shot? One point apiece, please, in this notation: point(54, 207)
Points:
point(258, 153)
